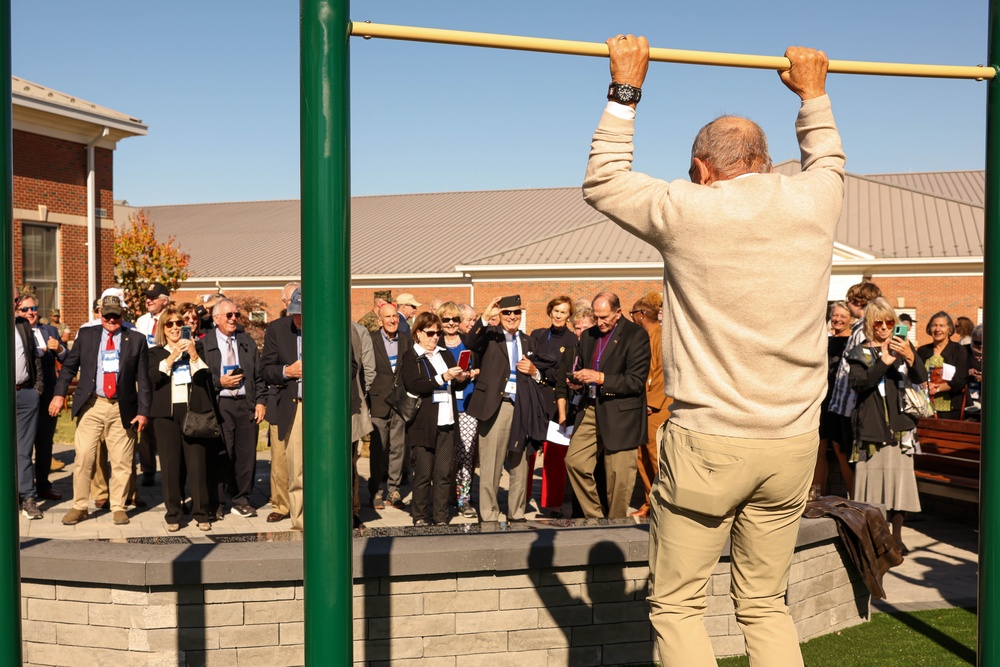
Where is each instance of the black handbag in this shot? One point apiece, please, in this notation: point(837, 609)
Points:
point(201, 425)
point(402, 402)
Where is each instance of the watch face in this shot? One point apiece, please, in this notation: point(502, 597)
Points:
point(625, 93)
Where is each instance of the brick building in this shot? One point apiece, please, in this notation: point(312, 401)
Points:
point(63, 167)
point(919, 236)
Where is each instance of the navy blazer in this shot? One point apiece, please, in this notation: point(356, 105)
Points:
point(249, 360)
point(49, 374)
point(135, 395)
point(490, 344)
point(281, 349)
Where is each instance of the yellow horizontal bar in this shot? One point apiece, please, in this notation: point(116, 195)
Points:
point(463, 38)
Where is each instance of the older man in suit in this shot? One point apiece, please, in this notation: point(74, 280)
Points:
point(28, 385)
point(112, 400)
point(505, 352)
point(611, 424)
point(233, 359)
point(387, 449)
point(50, 348)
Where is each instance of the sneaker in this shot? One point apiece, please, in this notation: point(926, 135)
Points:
point(243, 510)
point(29, 508)
point(74, 517)
point(378, 503)
point(119, 517)
point(396, 500)
point(468, 511)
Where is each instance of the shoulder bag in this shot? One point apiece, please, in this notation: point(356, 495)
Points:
point(402, 402)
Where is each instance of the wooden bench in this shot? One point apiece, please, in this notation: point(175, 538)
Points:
point(949, 463)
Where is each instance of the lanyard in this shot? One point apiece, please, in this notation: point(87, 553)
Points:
point(601, 348)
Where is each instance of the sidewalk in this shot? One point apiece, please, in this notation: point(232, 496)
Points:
point(940, 570)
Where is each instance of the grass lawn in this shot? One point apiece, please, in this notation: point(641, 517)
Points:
point(939, 637)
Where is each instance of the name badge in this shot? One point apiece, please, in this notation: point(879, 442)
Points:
point(511, 387)
point(576, 399)
point(109, 361)
point(592, 391)
point(459, 395)
point(440, 396)
point(151, 340)
point(182, 373)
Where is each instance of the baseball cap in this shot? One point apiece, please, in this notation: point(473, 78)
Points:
point(295, 302)
point(111, 305)
point(407, 299)
point(156, 290)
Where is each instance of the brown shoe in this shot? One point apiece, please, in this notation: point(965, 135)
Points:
point(49, 494)
point(120, 518)
point(56, 465)
point(74, 517)
point(101, 504)
point(171, 527)
point(275, 517)
point(204, 525)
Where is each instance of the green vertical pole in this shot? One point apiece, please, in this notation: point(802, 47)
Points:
point(989, 493)
point(326, 306)
point(10, 563)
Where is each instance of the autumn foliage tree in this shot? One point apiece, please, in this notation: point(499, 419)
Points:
point(140, 259)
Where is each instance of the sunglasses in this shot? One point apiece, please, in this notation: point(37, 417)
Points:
point(173, 324)
point(233, 316)
point(29, 309)
point(887, 323)
point(111, 317)
point(450, 320)
point(431, 334)
point(508, 313)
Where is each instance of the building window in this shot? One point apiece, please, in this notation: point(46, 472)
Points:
point(39, 261)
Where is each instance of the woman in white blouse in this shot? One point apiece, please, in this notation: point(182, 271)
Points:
point(181, 382)
point(427, 372)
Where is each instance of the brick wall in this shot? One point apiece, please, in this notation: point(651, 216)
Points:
point(53, 172)
point(587, 614)
point(956, 295)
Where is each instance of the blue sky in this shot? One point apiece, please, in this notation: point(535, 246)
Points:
point(217, 83)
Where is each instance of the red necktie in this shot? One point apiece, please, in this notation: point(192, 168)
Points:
point(110, 379)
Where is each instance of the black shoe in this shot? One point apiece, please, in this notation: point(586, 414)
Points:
point(149, 479)
point(220, 513)
point(420, 523)
point(243, 510)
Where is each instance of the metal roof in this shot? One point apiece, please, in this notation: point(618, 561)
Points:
point(965, 186)
point(433, 233)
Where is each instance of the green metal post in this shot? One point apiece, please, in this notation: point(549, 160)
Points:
point(326, 278)
point(10, 551)
point(989, 493)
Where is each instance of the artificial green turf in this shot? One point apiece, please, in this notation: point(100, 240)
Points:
point(939, 637)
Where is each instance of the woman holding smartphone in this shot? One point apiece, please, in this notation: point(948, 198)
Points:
point(428, 371)
point(468, 426)
point(883, 434)
point(181, 382)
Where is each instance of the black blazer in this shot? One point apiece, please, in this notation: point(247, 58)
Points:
point(384, 377)
point(281, 349)
point(135, 395)
point(49, 373)
point(35, 375)
point(621, 400)
point(418, 379)
point(490, 344)
point(199, 394)
point(249, 360)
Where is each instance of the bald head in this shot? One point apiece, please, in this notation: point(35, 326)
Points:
point(731, 146)
point(388, 318)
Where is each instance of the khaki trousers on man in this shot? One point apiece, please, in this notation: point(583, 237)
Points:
point(101, 420)
point(293, 456)
point(493, 437)
point(279, 472)
point(712, 488)
point(585, 447)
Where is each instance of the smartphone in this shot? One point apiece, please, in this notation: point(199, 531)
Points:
point(237, 371)
point(185, 333)
point(901, 330)
point(509, 302)
point(463, 359)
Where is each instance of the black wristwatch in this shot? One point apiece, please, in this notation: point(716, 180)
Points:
point(624, 93)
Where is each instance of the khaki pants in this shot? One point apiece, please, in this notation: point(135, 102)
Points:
point(101, 420)
point(712, 488)
point(493, 436)
point(293, 456)
point(279, 472)
point(102, 473)
point(584, 449)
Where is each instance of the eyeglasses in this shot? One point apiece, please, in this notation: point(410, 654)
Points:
point(633, 313)
point(111, 317)
point(450, 320)
point(508, 313)
point(173, 324)
point(31, 309)
point(879, 323)
point(431, 334)
point(235, 315)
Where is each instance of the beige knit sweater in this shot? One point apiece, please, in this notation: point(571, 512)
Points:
point(745, 279)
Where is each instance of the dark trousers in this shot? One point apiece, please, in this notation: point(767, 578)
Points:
point(388, 454)
point(432, 476)
point(44, 434)
point(27, 423)
point(147, 451)
point(178, 453)
point(239, 433)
